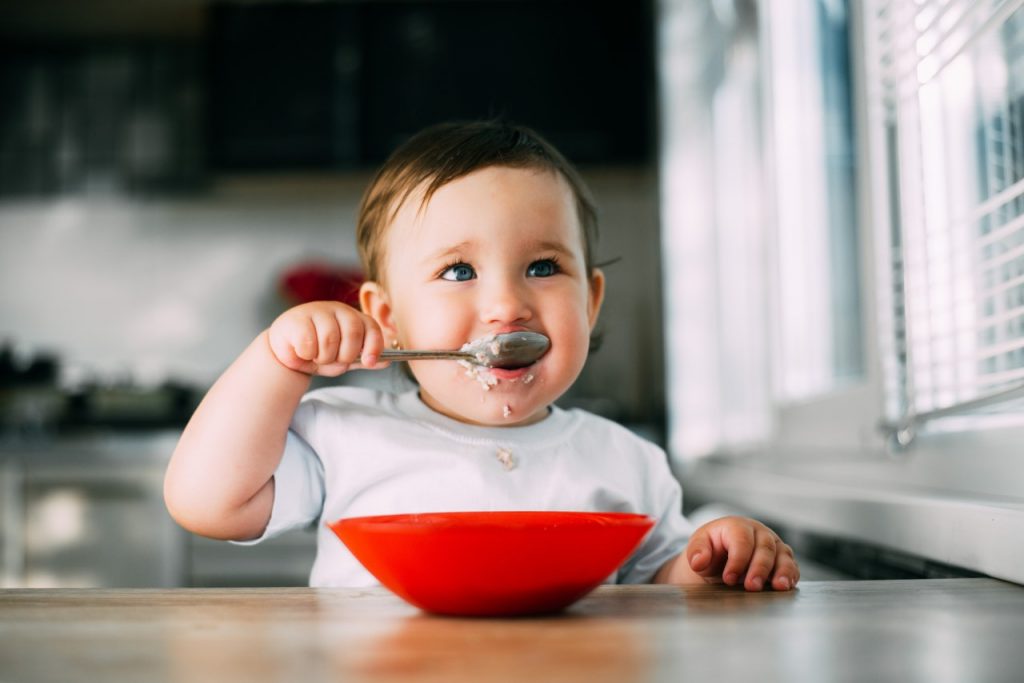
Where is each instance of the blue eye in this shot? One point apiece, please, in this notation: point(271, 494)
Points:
point(543, 268)
point(458, 272)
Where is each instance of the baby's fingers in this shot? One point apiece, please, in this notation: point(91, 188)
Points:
point(762, 561)
point(700, 553)
point(787, 572)
point(295, 346)
point(373, 343)
point(738, 540)
point(351, 326)
point(329, 337)
point(303, 341)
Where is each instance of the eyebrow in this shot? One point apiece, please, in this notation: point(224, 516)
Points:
point(547, 245)
point(445, 252)
point(467, 245)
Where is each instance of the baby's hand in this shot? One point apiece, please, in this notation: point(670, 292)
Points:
point(325, 338)
point(741, 549)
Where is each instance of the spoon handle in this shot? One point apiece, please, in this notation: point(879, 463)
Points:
point(403, 355)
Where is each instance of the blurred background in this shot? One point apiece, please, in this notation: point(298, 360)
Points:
point(811, 215)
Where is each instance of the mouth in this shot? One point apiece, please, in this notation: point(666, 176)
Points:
point(512, 365)
point(516, 369)
point(521, 357)
point(513, 373)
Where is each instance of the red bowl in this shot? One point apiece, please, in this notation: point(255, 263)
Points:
point(493, 563)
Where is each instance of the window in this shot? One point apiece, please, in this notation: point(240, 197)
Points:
point(811, 171)
point(717, 364)
point(759, 199)
point(950, 78)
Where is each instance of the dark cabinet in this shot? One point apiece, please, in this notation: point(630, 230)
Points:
point(107, 116)
point(329, 85)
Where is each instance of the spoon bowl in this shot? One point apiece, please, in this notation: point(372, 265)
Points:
point(507, 350)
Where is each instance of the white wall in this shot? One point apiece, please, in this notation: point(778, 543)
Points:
point(163, 287)
point(175, 288)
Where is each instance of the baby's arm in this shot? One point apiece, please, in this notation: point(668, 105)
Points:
point(219, 482)
point(733, 550)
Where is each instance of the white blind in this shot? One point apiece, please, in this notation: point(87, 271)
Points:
point(951, 76)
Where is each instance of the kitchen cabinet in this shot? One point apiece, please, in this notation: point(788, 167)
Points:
point(101, 115)
point(88, 511)
point(91, 527)
point(341, 84)
point(284, 560)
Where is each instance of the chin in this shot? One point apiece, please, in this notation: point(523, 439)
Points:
point(490, 420)
point(492, 397)
point(492, 409)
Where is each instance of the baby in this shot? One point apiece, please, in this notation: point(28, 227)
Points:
point(468, 230)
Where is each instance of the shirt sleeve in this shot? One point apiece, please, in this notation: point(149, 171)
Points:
point(298, 490)
point(671, 532)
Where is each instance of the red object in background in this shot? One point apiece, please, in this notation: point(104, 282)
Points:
point(322, 282)
point(493, 563)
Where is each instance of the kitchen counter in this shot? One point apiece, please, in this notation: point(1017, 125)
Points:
point(934, 630)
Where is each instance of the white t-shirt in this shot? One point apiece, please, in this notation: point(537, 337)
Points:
point(355, 451)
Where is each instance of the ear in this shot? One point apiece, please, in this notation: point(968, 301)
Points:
point(374, 302)
point(596, 296)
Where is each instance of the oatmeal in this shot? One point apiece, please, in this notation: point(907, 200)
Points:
point(482, 375)
point(479, 370)
point(493, 344)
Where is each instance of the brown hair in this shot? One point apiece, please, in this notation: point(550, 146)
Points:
point(442, 153)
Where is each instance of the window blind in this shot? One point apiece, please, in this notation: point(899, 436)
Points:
point(950, 74)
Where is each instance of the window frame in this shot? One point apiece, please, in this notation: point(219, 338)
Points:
point(848, 416)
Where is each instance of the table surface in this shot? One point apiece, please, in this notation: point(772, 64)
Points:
point(928, 630)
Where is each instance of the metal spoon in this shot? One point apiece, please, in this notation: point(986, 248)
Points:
point(508, 350)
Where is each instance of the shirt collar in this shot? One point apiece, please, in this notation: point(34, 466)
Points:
point(557, 426)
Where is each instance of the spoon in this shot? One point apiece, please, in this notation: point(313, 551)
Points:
point(508, 350)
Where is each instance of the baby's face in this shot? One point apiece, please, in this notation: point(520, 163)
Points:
point(496, 251)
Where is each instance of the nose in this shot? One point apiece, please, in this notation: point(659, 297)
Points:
point(504, 300)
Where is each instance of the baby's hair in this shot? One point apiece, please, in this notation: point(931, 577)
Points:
point(444, 152)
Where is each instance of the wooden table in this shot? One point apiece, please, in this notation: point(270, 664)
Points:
point(937, 630)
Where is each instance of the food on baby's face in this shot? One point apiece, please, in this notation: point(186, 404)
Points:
point(492, 343)
point(506, 410)
point(481, 370)
point(482, 375)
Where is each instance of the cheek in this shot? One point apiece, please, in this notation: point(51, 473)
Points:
point(424, 323)
point(434, 374)
point(572, 334)
point(573, 322)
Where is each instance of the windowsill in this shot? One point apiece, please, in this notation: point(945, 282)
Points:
point(850, 499)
